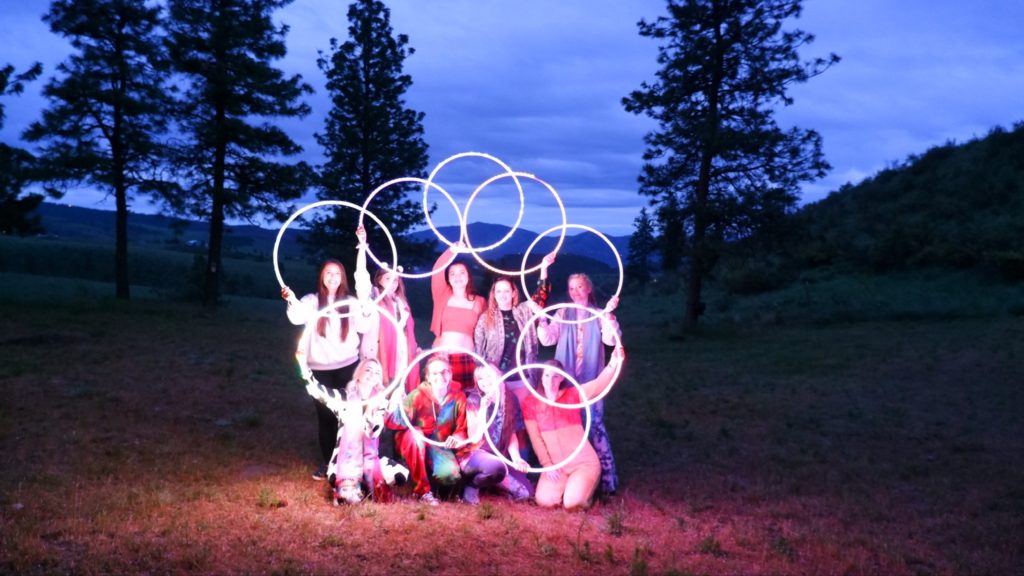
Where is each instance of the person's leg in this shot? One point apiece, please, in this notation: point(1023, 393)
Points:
point(443, 466)
point(550, 490)
point(327, 422)
point(349, 454)
point(414, 452)
point(603, 446)
point(580, 485)
point(519, 389)
point(483, 469)
point(516, 485)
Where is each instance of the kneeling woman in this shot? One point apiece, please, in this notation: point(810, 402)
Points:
point(555, 432)
point(355, 460)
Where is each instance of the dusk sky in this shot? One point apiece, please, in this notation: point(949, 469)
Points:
point(539, 84)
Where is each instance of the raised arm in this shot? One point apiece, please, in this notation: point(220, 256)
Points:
point(440, 291)
point(611, 334)
point(540, 296)
point(365, 316)
point(596, 386)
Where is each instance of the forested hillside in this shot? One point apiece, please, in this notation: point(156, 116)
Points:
point(955, 206)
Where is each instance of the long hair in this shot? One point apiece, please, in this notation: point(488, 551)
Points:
point(493, 313)
point(323, 298)
point(378, 281)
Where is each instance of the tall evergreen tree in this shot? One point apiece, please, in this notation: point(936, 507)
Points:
point(370, 136)
point(15, 166)
point(232, 160)
point(107, 107)
point(642, 245)
point(718, 151)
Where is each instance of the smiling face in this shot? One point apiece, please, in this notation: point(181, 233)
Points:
point(551, 380)
point(487, 381)
point(439, 375)
point(504, 294)
point(330, 277)
point(458, 277)
point(371, 375)
point(579, 290)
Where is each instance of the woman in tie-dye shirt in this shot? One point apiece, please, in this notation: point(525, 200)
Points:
point(436, 412)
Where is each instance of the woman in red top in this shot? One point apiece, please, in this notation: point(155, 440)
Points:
point(457, 307)
point(555, 432)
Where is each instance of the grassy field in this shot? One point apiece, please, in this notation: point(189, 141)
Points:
point(159, 437)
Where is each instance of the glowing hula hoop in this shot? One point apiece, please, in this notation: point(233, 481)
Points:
point(599, 316)
point(618, 260)
point(308, 207)
point(426, 185)
point(307, 373)
point(462, 222)
point(476, 252)
point(586, 427)
point(405, 372)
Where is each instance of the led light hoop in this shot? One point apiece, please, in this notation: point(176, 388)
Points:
point(426, 185)
point(476, 252)
point(599, 316)
point(462, 224)
point(586, 427)
point(308, 207)
point(519, 218)
point(564, 227)
point(307, 373)
point(415, 362)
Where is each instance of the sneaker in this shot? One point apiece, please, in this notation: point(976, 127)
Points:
point(320, 474)
point(471, 495)
point(349, 493)
point(429, 499)
point(519, 493)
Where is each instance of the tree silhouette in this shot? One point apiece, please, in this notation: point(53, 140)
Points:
point(16, 165)
point(642, 245)
point(370, 136)
point(718, 152)
point(107, 107)
point(230, 157)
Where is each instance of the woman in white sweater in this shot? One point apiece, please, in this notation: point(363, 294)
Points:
point(330, 346)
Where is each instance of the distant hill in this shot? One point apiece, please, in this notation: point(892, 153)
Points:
point(956, 206)
point(580, 244)
point(89, 224)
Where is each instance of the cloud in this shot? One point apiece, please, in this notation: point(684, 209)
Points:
point(539, 83)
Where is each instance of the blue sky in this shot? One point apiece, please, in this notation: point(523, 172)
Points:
point(539, 85)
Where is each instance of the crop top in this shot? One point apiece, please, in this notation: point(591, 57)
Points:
point(458, 319)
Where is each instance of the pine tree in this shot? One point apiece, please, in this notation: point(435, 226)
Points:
point(718, 152)
point(231, 161)
point(16, 165)
point(642, 246)
point(370, 137)
point(107, 107)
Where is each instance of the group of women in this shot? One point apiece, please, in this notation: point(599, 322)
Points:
point(470, 423)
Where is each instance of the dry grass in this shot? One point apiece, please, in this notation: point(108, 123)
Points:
point(158, 438)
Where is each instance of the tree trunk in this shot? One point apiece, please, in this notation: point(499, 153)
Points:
point(121, 244)
point(211, 284)
point(121, 200)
